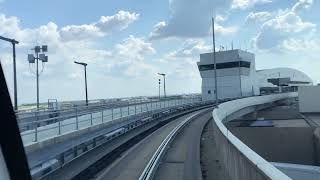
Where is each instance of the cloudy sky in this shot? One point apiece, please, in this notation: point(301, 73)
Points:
point(127, 42)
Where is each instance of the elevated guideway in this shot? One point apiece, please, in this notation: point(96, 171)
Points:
point(55, 155)
point(143, 160)
point(152, 158)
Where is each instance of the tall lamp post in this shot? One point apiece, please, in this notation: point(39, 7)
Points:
point(85, 77)
point(13, 42)
point(32, 58)
point(159, 87)
point(215, 64)
point(164, 83)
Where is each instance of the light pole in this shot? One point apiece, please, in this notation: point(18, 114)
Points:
point(164, 84)
point(159, 87)
point(13, 42)
point(42, 57)
point(85, 77)
point(215, 64)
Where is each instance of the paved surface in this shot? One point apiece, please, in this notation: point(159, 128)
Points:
point(133, 161)
point(182, 160)
point(313, 119)
point(211, 165)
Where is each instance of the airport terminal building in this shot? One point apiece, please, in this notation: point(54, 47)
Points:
point(237, 76)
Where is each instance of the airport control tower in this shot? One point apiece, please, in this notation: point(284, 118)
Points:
point(236, 74)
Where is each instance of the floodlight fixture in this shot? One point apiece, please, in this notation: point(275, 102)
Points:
point(44, 48)
point(31, 58)
point(37, 49)
point(43, 58)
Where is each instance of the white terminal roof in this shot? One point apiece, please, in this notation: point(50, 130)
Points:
point(296, 77)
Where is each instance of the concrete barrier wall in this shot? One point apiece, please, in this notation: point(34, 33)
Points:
point(316, 137)
point(241, 162)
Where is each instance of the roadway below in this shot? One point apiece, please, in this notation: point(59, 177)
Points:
point(133, 161)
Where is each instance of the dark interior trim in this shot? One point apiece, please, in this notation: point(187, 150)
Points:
point(11, 143)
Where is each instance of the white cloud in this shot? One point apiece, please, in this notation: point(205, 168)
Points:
point(254, 17)
point(134, 49)
point(189, 18)
point(293, 44)
point(119, 21)
point(224, 31)
point(287, 24)
point(221, 18)
point(245, 4)
point(302, 5)
point(74, 32)
point(8, 25)
point(190, 48)
point(130, 56)
point(105, 26)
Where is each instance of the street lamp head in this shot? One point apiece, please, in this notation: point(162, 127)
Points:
point(13, 41)
point(81, 63)
point(161, 74)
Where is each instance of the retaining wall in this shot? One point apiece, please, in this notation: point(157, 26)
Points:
point(241, 162)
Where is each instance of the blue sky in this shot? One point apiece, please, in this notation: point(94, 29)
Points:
point(127, 42)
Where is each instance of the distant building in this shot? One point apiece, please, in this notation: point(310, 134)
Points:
point(287, 78)
point(237, 76)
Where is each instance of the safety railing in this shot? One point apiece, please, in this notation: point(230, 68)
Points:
point(240, 161)
point(40, 129)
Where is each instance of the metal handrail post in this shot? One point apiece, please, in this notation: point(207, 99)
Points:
point(77, 120)
point(112, 114)
point(36, 127)
point(128, 110)
point(135, 109)
point(102, 116)
point(91, 119)
point(59, 126)
point(147, 107)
